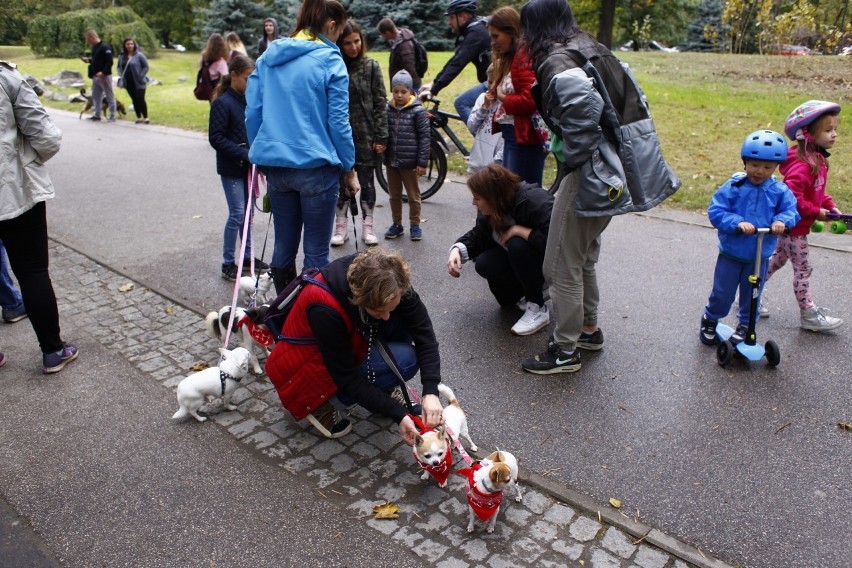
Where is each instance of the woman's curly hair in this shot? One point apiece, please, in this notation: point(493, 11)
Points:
point(377, 276)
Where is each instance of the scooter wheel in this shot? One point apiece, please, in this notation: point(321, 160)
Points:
point(724, 352)
point(818, 227)
point(773, 354)
point(838, 227)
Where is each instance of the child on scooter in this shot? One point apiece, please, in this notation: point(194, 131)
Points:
point(813, 125)
point(742, 204)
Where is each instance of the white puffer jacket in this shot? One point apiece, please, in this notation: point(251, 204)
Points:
point(28, 138)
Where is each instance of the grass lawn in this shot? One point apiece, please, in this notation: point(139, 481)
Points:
point(703, 105)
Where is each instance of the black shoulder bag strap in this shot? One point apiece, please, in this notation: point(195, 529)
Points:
point(386, 354)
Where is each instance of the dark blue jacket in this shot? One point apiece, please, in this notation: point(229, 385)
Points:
point(408, 136)
point(472, 46)
point(227, 134)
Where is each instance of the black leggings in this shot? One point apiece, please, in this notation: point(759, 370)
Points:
point(25, 239)
point(137, 96)
point(514, 273)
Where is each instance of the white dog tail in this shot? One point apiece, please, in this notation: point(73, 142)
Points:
point(212, 325)
point(181, 413)
point(448, 394)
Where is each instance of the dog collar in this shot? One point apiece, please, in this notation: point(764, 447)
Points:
point(260, 333)
point(223, 376)
point(441, 471)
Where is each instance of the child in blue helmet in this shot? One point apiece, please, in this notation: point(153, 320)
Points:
point(742, 204)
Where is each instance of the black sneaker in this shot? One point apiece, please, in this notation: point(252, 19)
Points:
point(554, 360)
point(259, 266)
point(707, 335)
point(327, 420)
point(229, 272)
point(591, 341)
point(739, 335)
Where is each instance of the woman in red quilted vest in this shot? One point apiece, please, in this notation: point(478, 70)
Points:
point(329, 358)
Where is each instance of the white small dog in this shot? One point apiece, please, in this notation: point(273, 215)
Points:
point(433, 448)
point(264, 288)
point(213, 382)
point(245, 332)
point(486, 481)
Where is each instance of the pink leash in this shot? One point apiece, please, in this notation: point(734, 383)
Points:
point(456, 442)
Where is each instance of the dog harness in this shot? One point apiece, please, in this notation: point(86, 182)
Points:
point(260, 333)
point(485, 505)
point(223, 376)
point(441, 471)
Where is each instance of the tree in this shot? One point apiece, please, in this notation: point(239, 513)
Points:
point(424, 17)
point(171, 20)
point(240, 16)
point(707, 32)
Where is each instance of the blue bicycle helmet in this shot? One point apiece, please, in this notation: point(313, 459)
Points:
point(457, 6)
point(766, 145)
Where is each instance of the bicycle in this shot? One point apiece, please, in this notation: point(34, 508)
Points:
point(436, 168)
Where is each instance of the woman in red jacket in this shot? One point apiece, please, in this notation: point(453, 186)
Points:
point(523, 149)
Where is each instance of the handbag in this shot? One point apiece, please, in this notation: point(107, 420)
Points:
point(541, 130)
point(121, 82)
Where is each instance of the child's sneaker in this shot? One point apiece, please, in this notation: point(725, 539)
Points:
point(554, 360)
point(55, 362)
point(817, 319)
point(763, 309)
point(707, 335)
point(591, 341)
point(415, 233)
point(394, 231)
point(739, 334)
point(534, 319)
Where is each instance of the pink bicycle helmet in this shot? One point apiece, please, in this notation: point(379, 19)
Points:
point(806, 113)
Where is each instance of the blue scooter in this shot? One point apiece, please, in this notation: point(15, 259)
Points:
point(749, 347)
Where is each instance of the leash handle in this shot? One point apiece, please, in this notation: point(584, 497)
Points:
point(419, 423)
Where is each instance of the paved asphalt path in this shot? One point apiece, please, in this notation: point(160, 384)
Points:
point(745, 462)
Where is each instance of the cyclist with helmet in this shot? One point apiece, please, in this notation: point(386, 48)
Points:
point(813, 126)
point(473, 45)
point(742, 204)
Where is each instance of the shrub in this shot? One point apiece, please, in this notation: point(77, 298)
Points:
point(62, 35)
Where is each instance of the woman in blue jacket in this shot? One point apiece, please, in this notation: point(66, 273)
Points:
point(227, 134)
point(297, 117)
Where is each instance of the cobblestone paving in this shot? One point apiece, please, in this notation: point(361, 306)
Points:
point(359, 471)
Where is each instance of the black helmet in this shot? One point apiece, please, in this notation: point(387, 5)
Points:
point(457, 6)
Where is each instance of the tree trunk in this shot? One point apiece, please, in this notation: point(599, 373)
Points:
point(606, 21)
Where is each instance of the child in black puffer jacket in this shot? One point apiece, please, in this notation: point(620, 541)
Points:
point(407, 153)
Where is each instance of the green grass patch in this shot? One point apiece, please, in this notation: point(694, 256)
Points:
point(703, 105)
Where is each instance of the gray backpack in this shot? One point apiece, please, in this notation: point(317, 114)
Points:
point(634, 149)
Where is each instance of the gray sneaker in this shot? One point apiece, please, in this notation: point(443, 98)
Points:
point(817, 319)
point(763, 309)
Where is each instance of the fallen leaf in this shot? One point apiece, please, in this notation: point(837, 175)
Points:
point(844, 425)
point(170, 310)
point(386, 510)
point(615, 502)
point(126, 287)
point(199, 366)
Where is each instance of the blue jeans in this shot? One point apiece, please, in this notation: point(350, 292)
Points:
point(465, 101)
point(236, 194)
point(10, 298)
point(523, 160)
point(302, 198)
point(729, 276)
point(406, 358)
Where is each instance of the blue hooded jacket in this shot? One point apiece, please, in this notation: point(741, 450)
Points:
point(761, 205)
point(297, 106)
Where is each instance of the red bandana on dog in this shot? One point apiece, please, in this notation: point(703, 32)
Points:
point(260, 333)
point(485, 505)
point(441, 471)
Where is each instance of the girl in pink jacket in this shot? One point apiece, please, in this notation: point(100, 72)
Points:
point(813, 125)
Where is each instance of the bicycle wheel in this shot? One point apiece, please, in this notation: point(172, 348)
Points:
point(431, 181)
point(561, 172)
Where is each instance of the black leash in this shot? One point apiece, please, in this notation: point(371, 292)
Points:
point(386, 354)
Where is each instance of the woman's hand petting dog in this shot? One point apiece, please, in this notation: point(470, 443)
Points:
point(432, 415)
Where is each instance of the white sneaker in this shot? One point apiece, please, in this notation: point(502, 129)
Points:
point(763, 309)
point(521, 304)
point(817, 319)
point(341, 235)
point(534, 319)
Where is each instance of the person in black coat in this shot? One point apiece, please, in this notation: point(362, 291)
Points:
point(508, 242)
point(227, 135)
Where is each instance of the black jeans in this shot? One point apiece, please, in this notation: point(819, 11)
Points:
point(25, 239)
point(513, 273)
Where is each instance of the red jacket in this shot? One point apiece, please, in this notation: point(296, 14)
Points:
point(520, 104)
point(809, 190)
point(298, 371)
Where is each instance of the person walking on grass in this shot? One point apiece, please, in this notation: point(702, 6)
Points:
point(369, 119)
point(813, 126)
point(407, 154)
